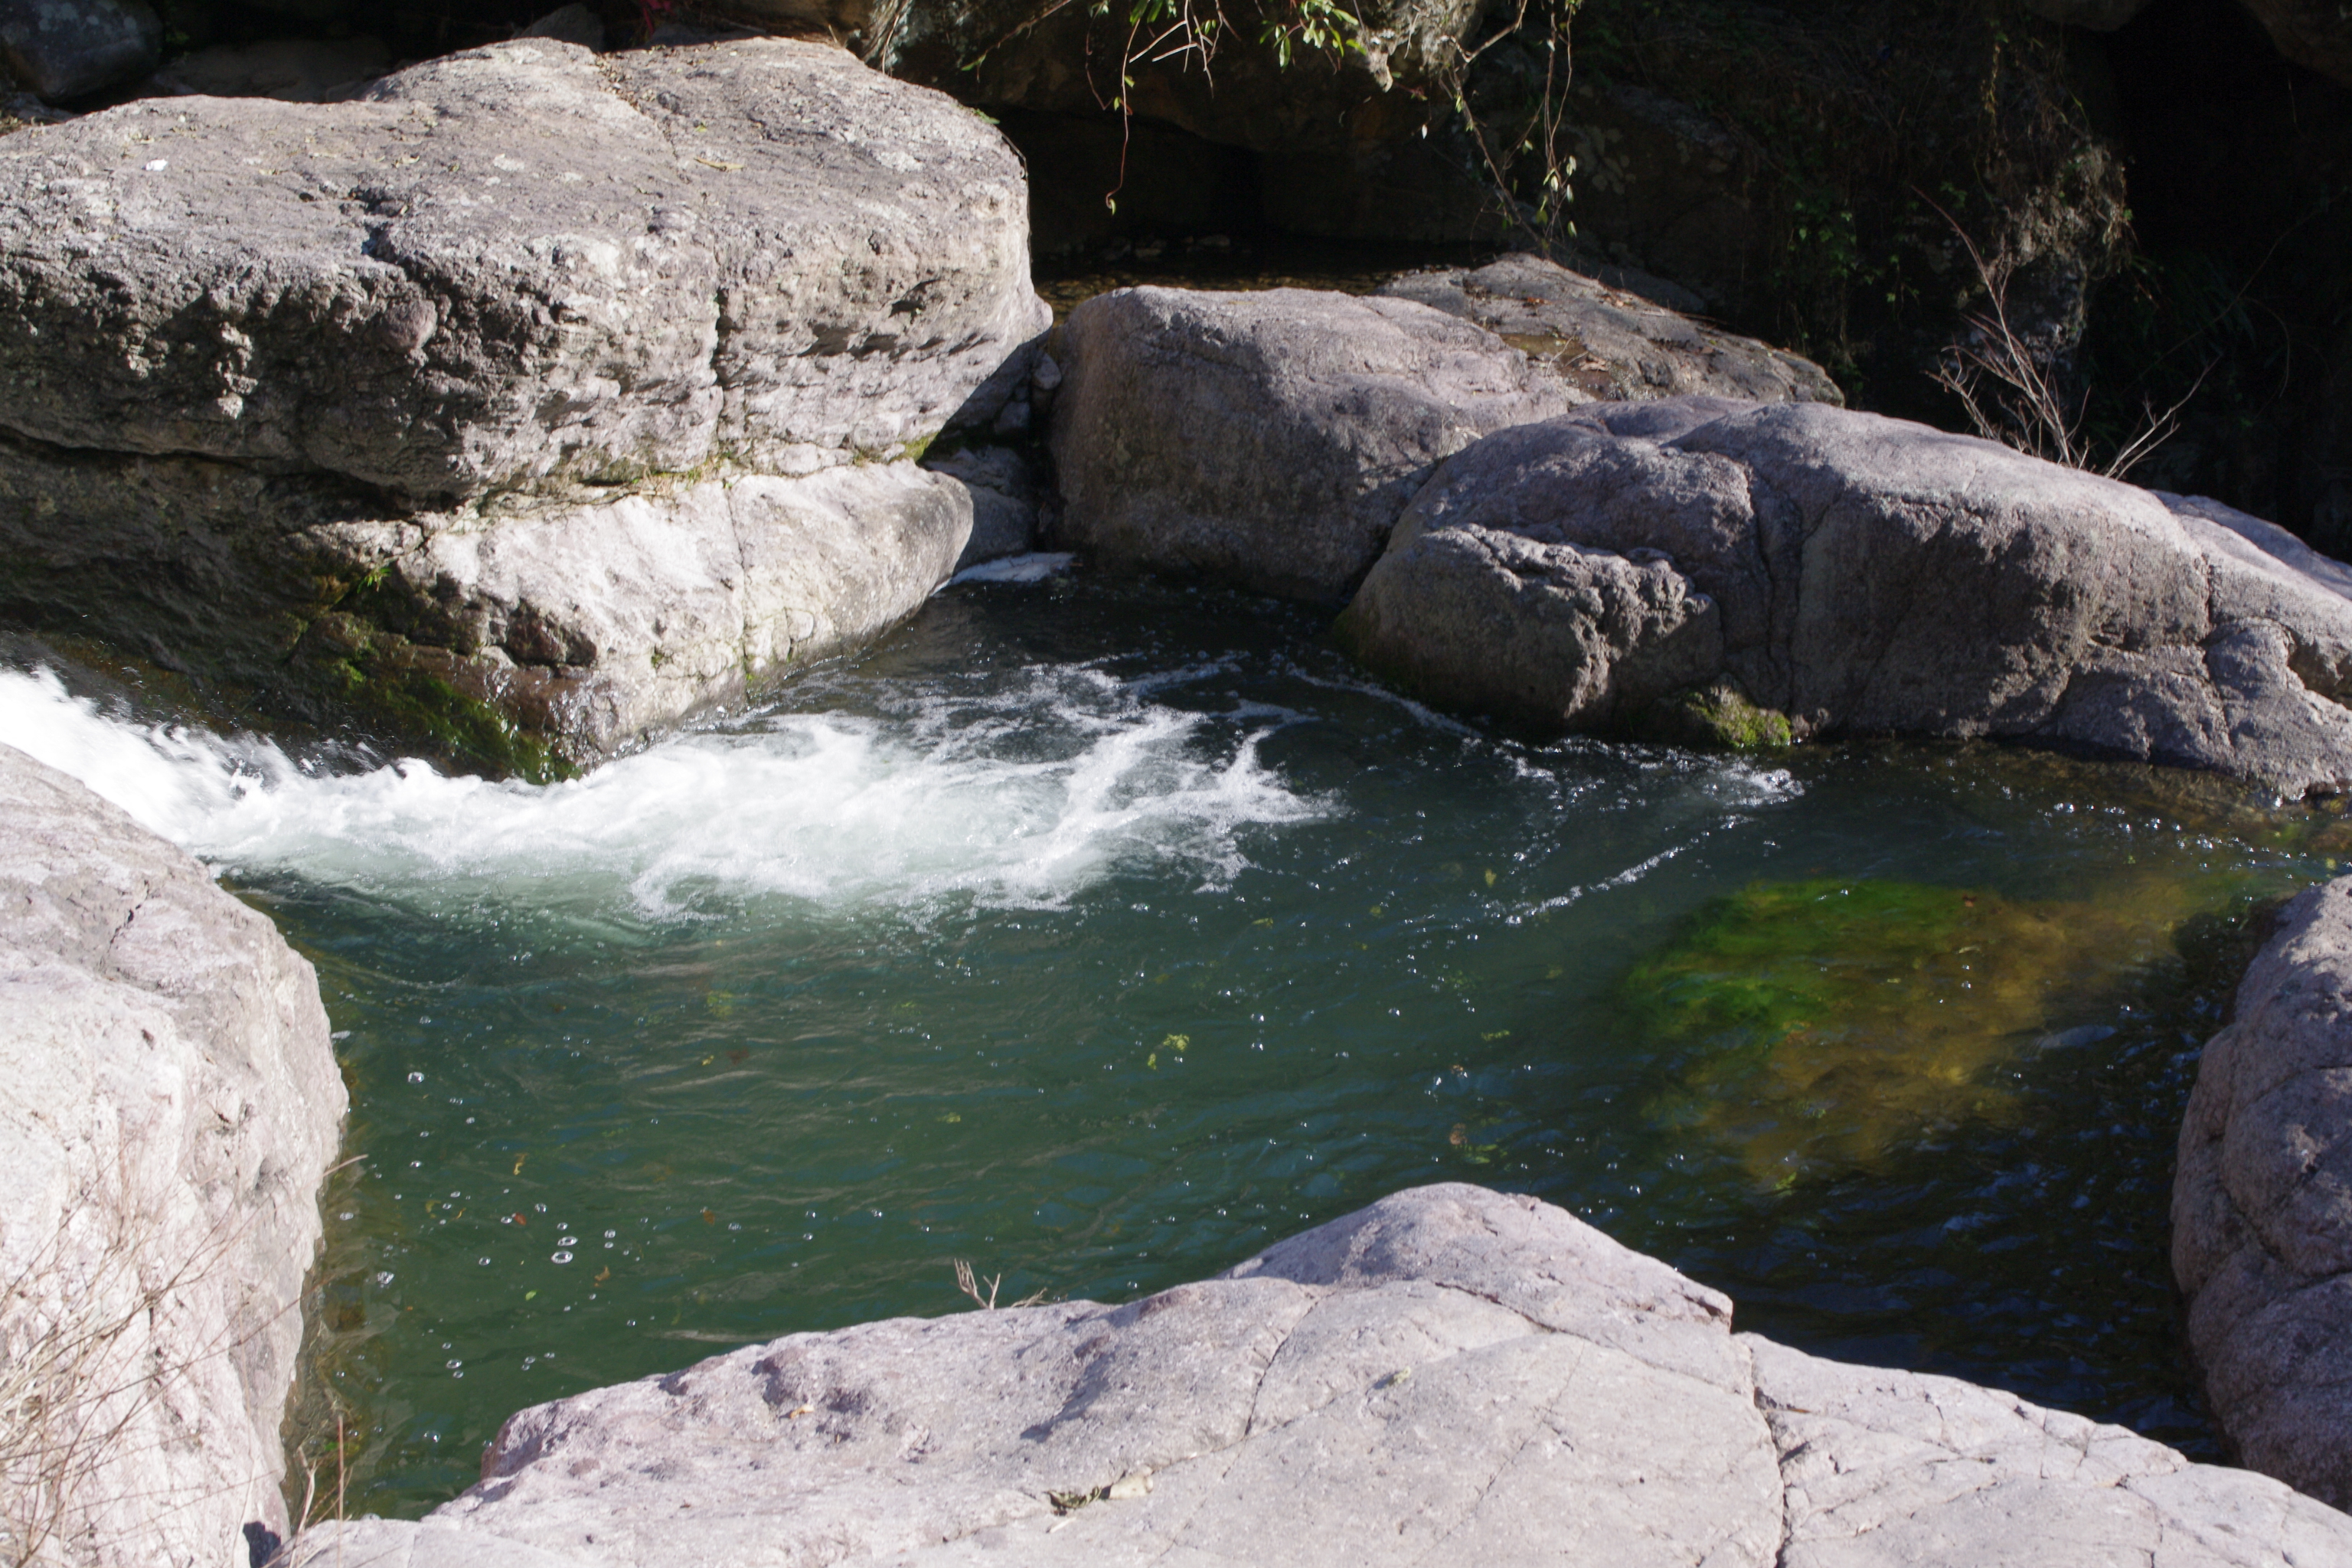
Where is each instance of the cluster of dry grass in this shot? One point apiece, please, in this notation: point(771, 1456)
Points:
point(98, 1376)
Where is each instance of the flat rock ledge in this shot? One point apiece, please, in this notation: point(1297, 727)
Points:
point(275, 376)
point(1610, 345)
point(169, 1105)
point(2261, 1205)
point(1452, 1375)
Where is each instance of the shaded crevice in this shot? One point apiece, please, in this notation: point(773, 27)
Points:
point(115, 936)
point(1783, 600)
point(1765, 1406)
point(355, 499)
point(1257, 1388)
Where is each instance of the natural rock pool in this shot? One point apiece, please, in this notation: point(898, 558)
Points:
point(1100, 935)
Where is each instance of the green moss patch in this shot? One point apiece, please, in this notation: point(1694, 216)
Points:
point(457, 727)
point(1817, 1025)
point(395, 686)
point(1718, 716)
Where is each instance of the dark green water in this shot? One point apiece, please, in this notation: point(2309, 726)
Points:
point(1100, 935)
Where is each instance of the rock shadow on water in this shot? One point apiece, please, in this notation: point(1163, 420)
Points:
point(1817, 1026)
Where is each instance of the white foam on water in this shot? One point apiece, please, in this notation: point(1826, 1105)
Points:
point(1021, 798)
point(1034, 567)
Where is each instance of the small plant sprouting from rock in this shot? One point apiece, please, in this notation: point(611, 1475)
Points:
point(81, 1378)
point(1190, 32)
point(2013, 383)
point(1522, 148)
point(969, 1284)
point(1137, 1485)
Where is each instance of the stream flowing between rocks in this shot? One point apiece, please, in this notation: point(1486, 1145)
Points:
point(1099, 934)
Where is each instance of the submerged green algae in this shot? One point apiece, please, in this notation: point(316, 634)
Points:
point(1817, 1025)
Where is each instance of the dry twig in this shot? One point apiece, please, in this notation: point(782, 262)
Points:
point(2010, 385)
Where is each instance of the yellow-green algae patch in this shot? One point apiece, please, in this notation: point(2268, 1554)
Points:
point(1817, 1025)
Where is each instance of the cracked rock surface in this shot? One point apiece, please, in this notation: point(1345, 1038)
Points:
point(169, 1104)
point(1862, 575)
point(2261, 1205)
point(528, 403)
point(1450, 1375)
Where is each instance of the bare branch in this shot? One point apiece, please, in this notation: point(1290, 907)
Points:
point(2009, 385)
point(967, 1283)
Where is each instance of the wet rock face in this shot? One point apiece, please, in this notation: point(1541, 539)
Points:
point(1269, 439)
point(169, 1105)
point(2261, 1205)
point(1451, 1372)
point(1868, 575)
point(1611, 345)
point(527, 404)
point(538, 638)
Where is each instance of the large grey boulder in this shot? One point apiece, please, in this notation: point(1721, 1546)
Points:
point(1860, 574)
point(2261, 1205)
point(1900, 1469)
point(591, 627)
point(518, 266)
point(64, 48)
point(1450, 1375)
point(527, 404)
point(1268, 438)
point(1609, 344)
point(169, 1104)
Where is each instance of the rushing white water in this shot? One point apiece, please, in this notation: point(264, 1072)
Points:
point(1023, 797)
